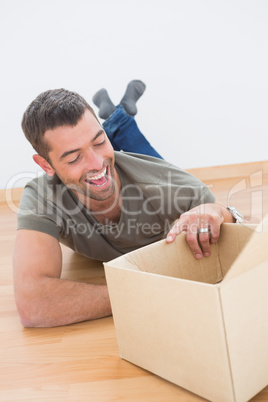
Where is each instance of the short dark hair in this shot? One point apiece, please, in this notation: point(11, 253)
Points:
point(49, 110)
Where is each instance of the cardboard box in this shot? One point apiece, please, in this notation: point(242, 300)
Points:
point(201, 324)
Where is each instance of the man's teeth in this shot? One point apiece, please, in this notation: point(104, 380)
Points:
point(99, 176)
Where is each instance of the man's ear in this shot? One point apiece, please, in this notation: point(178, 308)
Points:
point(44, 164)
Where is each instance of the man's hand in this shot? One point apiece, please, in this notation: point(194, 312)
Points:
point(202, 227)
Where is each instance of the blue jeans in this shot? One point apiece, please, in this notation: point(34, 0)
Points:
point(124, 134)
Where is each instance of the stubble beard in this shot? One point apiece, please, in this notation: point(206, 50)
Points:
point(91, 191)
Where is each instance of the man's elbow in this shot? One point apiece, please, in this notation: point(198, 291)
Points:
point(27, 322)
point(28, 313)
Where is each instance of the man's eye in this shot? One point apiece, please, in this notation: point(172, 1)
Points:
point(101, 143)
point(74, 161)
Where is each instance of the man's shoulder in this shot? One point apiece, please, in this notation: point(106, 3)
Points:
point(141, 168)
point(44, 185)
point(43, 189)
point(149, 169)
point(122, 157)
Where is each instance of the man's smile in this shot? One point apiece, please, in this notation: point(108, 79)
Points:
point(99, 179)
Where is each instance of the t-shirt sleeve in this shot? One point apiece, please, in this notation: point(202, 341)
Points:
point(35, 213)
point(205, 196)
point(187, 190)
point(176, 191)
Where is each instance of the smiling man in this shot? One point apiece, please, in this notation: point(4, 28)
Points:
point(83, 159)
point(99, 202)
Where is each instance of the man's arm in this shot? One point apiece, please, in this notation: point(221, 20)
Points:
point(202, 226)
point(45, 300)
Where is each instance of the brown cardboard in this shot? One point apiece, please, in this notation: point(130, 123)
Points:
point(201, 324)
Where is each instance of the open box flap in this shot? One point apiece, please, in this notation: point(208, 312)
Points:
point(175, 260)
point(253, 254)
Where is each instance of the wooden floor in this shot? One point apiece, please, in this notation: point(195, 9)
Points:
point(81, 362)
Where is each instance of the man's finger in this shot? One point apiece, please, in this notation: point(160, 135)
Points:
point(204, 241)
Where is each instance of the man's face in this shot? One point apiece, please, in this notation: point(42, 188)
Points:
point(83, 158)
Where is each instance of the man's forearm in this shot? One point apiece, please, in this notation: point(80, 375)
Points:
point(56, 302)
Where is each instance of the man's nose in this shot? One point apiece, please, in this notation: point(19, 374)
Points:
point(94, 161)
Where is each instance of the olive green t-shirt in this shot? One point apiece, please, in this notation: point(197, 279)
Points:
point(154, 194)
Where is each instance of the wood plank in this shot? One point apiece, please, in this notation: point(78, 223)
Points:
point(207, 174)
point(239, 170)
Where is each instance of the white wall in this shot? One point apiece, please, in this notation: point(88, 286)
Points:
point(204, 62)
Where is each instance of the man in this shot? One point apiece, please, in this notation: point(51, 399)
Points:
point(100, 202)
